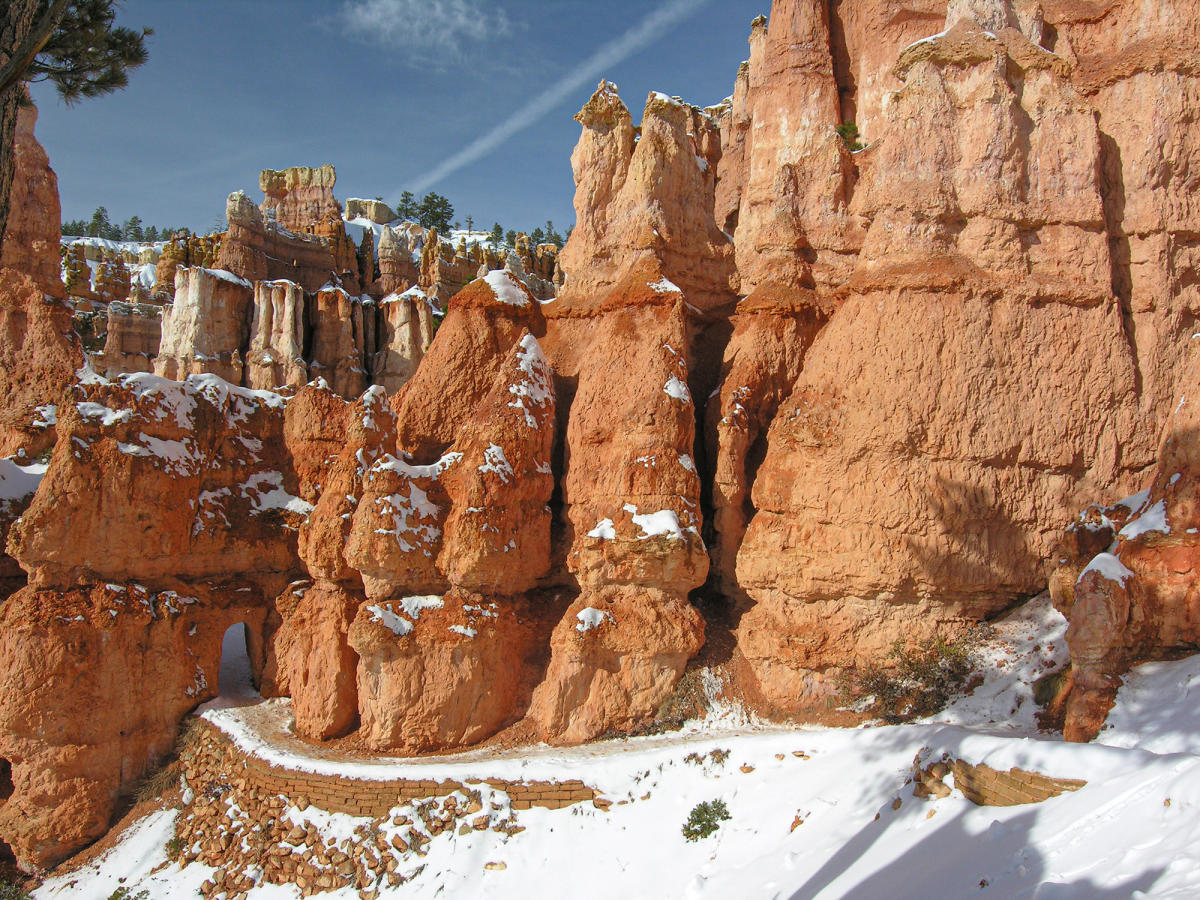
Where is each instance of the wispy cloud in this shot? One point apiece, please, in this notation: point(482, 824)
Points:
point(611, 54)
point(425, 31)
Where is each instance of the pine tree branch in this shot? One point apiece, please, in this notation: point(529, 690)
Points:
point(37, 38)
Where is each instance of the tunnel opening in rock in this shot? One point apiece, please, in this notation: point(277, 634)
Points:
point(6, 780)
point(235, 678)
point(8, 860)
point(9, 871)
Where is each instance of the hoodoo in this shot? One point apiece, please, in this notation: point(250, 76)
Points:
point(862, 356)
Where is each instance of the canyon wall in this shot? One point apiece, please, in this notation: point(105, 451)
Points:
point(836, 394)
point(39, 350)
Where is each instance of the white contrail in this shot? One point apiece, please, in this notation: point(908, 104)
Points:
point(598, 63)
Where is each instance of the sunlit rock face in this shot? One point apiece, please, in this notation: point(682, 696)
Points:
point(844, 393)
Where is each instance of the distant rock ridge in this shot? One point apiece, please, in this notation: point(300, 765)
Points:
point(356, 315)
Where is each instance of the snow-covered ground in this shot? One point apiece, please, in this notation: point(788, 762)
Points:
point(826, 813)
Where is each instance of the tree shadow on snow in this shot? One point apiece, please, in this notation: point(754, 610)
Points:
point(950, 862)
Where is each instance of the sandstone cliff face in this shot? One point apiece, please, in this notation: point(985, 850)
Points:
point(39, 351)
point(649, 200)
point(397, 247)
point(39, 354)
point(339, 344)
point(438, 672)
point(145, 657)
point(447, 669)
point(167, 514)
point(166, 480)
point(792, 226)
point(388, 540)
point(204, 330)
point(762, 362)
point(31, 235)
point(375, 210)
point(133, 338)
point(259, 251)
point(943, 346)
point(189, 251)
point(1135, 66)
point(277, 337)
point(945, 506)
point(299, 196)
point(1127, 580)
point(482, 323)
point(620, 338)
point(405, 332)
point(1132, 63)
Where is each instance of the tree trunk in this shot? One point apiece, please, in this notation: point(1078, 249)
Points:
point(16, 21)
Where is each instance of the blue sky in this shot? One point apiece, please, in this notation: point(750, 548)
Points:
point(386, 90)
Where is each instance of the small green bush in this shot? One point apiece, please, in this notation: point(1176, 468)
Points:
point(174, 847)
point(11, 891)
point(920, 679)
point(704, 819)
point(122, 893)
point(848, 132)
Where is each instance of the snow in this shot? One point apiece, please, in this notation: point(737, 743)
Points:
point(145, 275)
point(463, 630)
point(131, 247)
point(403, 467)
point(1029, 643)
point(925, 40)
point(686, 461)
point(677, 390)
point(507, 288)
point(1152, 519)
point(495, 461)
point(664, 286)
point(663, 522)
point(405, 513)
point(412, 608)
point(604, 530)
point(176, 397)
point(815, 813)
point(591, 618)
point(534, 390)
point(47, 416)
point(107, 417)
point(397, 625)
point(415, 294)
point(1157, 710)
point(1135, 502)
point(266, 492)
point(223, 275)
point(18, 482)
point(1109, 567)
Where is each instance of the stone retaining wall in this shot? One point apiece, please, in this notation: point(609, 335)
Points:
point(988, 787)
point(357, 797)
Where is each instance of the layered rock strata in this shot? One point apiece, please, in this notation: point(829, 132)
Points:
point(276, 357)
point(204, 330)
point(614, 175)
point(299, 196)
point(405, 331)
point(168, 513)
point(257, 250)
point(134, 334)
point(31, 233)
point(39, 350)
point(889, 502)
point(911, 364)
